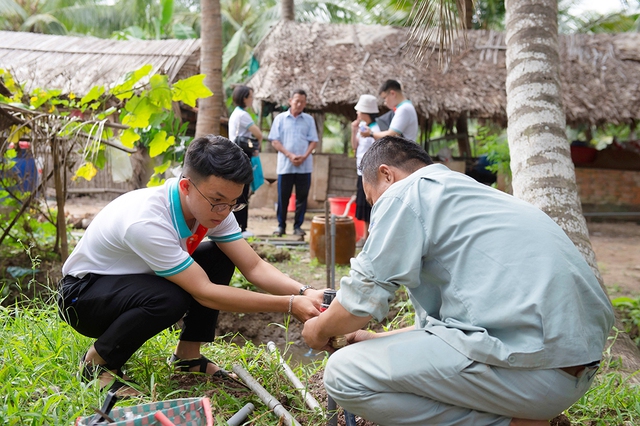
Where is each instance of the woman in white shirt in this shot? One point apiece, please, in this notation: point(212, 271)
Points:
point(241, 124)
point(367, 109)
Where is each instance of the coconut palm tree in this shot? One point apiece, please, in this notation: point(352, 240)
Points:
point(210, 109)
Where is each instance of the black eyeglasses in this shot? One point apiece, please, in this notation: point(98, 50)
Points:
point(219, 208)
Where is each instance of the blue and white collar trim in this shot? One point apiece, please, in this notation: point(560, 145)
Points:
point(177, 217)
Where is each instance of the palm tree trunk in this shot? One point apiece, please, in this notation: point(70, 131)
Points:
point(468, 15)
point(210, 109)
point(543, 173)
point(287, 10)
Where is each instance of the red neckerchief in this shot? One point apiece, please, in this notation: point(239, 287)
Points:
point(194, 240)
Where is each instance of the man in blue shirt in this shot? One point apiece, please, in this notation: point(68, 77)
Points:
point(293, 134)
point(510, 320)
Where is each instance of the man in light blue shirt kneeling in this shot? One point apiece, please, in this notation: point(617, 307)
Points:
point(510, 320)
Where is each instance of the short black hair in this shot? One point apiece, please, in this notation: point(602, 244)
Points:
point(218, 156)
point(393, 151)
point(299, 92)
point(240, 93)
point(390, 85)
point(372, 115)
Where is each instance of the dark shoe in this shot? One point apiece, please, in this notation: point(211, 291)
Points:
point(185, 365)
point(118, 383)
point(299, 232)
point(279, 232)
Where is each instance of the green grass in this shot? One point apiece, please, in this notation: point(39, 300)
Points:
point(39, 365)
point(39, 382)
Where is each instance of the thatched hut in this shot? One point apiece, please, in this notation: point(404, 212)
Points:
point(75, 64)
point(336, 63)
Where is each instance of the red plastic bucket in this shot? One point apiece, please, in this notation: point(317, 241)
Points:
point(292, 203)
point(337, 207)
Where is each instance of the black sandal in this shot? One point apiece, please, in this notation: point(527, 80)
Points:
point(185, 365)
point(93, 371)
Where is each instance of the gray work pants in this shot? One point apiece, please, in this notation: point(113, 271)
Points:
point(415, 378)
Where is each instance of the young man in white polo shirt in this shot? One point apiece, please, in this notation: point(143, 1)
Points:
point(140, 266)
point(405, 119)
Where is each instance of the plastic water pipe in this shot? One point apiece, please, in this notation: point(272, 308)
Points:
point(308, 398)
point(265, 396)
point(238, 418)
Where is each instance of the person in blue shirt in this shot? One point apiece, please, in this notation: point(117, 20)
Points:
point(293, 134)
point(510, 320)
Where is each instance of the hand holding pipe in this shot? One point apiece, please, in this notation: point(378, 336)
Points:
point(336, 342)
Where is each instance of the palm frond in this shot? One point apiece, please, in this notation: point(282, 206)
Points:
point(45, 24)
point(9, 8)
point(436, 27)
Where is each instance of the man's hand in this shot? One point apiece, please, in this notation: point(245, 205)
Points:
point(297, 160)
point(360, 336)
point(310, 334)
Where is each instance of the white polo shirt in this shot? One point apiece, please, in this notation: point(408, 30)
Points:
point(405, 120)
point(141, 232)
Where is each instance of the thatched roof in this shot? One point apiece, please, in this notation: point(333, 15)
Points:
point(75, 64)
point(336, 63)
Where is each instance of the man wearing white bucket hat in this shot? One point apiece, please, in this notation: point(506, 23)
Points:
point(367, 110)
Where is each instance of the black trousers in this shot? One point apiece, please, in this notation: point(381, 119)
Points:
point(124, 311)
point(286, 182)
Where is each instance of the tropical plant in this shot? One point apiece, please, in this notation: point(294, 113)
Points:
point(62, 125)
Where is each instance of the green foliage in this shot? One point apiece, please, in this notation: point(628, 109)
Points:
point(239, 281)
point(629, 309)
point(30, 228)
point(611, 400)
point(492, 141)
point(146, 108)
point(39, 373)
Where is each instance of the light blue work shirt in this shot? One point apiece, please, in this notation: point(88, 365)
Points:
point(295, 134)
point(491, 275)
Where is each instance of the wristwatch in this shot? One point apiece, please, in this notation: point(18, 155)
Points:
point(303, 289)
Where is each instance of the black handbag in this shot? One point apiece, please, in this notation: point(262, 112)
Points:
point(248, 145)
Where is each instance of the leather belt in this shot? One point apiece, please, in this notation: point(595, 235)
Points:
point(577, 369)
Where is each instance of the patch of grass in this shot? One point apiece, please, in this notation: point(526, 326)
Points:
point(39, 366)
point(629, 309)
point(611, 400)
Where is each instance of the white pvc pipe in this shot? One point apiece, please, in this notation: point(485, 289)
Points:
point(265, 396)
point(308, 398)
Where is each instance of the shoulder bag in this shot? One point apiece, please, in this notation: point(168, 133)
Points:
point(248, 144)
